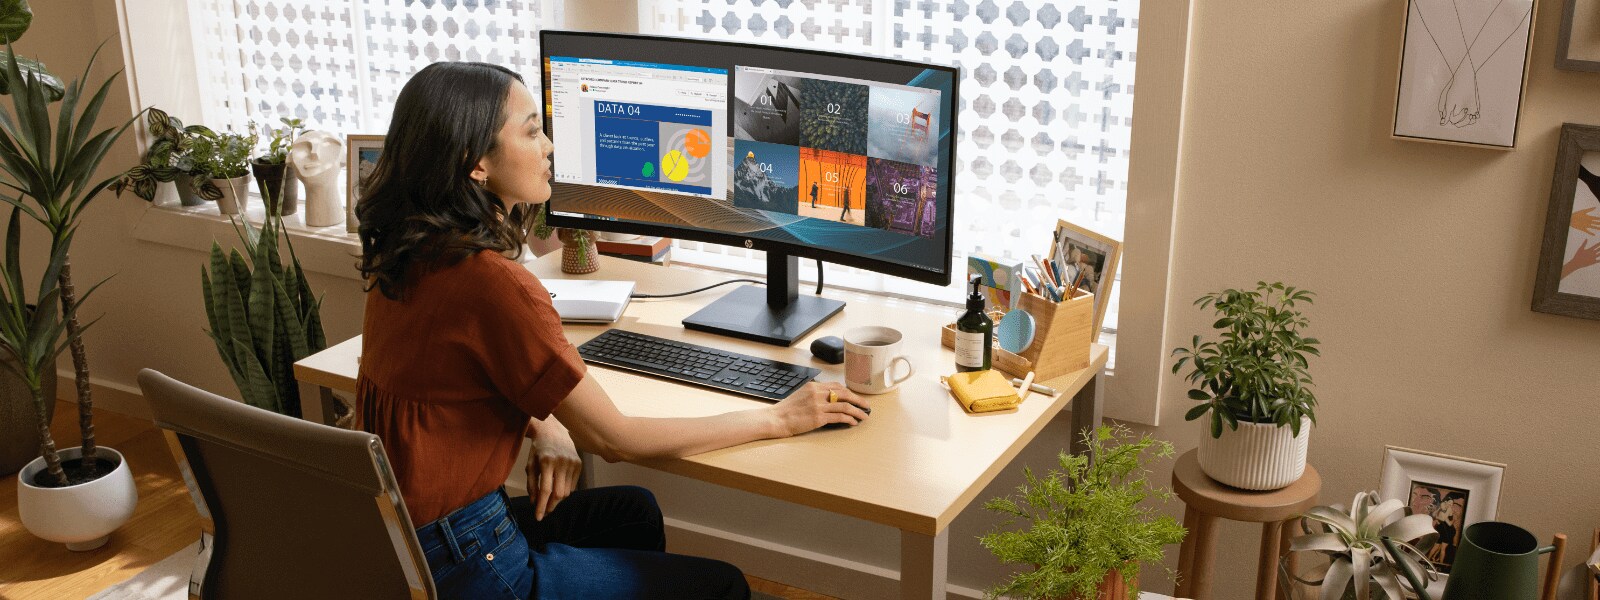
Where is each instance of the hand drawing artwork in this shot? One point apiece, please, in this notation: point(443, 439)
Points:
point(1462, 70)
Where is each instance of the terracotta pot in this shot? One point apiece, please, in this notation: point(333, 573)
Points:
point(1258, 456)
point(1111, 588)
point(577, 259)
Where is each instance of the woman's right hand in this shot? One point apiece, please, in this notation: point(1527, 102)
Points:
point(808, 408)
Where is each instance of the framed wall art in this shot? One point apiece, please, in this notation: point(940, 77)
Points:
point(1568, 279)
point(363, 159)
point(1578, 44)
point(1463, 69)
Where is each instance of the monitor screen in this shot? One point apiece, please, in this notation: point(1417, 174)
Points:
point(836, 157)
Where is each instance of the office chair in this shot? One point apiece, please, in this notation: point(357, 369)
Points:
point(288, 508)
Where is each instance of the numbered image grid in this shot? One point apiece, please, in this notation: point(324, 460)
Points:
point(767, 108)
point(902, 126)
point(835, 116)
point(900, 197)
point(833, 186)
point(766, 176)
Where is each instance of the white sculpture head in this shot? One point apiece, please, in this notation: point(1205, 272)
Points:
point(317, 156)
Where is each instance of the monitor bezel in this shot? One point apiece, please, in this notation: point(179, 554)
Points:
point(941, 278)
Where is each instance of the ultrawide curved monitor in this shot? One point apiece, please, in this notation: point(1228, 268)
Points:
point(841, 158)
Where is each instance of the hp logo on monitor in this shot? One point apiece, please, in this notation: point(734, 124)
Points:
point(749, 244)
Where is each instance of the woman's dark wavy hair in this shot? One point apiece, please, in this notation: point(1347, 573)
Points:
point(420, 204)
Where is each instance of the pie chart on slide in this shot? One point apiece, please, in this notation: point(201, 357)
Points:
point(675, 166)
point(697, 143)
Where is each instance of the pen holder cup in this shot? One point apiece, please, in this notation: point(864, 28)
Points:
point(1061, 334)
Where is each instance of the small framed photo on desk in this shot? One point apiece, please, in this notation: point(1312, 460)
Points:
point(361, 162)
point(1089, 261)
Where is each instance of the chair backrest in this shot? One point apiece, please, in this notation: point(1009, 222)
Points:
point(289, 508)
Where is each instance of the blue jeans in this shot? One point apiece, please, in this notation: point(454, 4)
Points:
point(598, 543)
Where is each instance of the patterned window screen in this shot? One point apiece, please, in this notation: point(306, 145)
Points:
point(339, 65)
point(1046, 99)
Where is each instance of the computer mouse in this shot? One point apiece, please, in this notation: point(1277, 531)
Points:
point(844, 425)
point(829, 349)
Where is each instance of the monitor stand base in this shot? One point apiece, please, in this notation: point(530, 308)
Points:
point(745, 314)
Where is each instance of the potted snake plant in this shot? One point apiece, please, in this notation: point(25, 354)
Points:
point(1253, 384)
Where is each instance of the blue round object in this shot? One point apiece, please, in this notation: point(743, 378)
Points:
point(1015, 331)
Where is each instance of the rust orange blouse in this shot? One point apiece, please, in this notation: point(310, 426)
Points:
point(450, 376)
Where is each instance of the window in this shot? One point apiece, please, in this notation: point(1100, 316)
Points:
point(339, 65)
point(1045, 116)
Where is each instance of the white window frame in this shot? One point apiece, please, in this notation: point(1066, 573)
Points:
point(157, 46)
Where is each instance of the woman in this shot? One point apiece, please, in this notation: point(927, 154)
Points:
point(464, 355)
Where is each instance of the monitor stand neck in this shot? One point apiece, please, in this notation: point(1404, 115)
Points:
point(779, 316)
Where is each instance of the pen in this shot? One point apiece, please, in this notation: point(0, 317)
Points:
point(1027, 386)
point(1044, 272)
point(1043, 389)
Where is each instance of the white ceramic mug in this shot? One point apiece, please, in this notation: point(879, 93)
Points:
point(869, 355)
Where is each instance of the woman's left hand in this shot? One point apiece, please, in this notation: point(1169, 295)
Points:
point(553, 466)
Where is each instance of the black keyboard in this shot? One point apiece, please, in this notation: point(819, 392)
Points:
point(699, 365)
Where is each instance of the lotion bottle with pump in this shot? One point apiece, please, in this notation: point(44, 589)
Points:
point(974, 333)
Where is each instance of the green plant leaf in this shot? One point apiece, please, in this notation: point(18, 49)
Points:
point(15, 17)
point(1196, 412)
point(1198, 395)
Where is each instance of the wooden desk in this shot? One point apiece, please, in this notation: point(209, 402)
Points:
point(914, 465)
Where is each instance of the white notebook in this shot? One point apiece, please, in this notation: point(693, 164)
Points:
point(589, 301)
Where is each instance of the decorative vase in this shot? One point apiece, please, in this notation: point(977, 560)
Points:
point(19, 418)
point(81, 516)
point(188, 192)
point(1257, 456)
point(576, 258)
point(235, 194)
point(278, 187)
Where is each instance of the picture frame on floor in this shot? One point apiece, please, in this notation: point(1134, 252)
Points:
point(1568, 278)
point(1456, 491)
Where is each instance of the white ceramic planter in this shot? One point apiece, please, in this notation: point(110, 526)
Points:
point(81, 516)
point(1256, 456)
point(235, 194)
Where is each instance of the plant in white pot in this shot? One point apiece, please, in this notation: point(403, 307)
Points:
point(54, 167)
point(1254, 385)
point(226, 157)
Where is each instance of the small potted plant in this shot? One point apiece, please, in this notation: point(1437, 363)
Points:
point(225, 157)
point(1372, 549)
point(274, 175)
point(578, 250)
point(168, 160)
point(1253, 383)
point(1090, 528)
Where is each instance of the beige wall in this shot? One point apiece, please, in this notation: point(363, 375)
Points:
point(1423, 256)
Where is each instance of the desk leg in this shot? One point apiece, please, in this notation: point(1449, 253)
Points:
point(316, 404)
point(1086, 412)
point(1267, 563)
point(924, 565)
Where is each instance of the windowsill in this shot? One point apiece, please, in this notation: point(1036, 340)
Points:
point(328, 250)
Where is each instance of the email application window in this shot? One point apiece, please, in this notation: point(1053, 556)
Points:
point(640, 125)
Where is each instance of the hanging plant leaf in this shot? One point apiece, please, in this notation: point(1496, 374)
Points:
point(15, 17)
point(53, 88)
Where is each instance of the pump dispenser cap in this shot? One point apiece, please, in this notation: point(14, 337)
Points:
point(975, 299)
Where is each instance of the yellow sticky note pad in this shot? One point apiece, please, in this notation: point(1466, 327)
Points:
point(983, 391)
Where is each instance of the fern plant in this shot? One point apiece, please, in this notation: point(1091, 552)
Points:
point(1257, 371)
point(263, 316)
point(1085, 520)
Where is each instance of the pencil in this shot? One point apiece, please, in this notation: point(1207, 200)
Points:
point(1044, 271)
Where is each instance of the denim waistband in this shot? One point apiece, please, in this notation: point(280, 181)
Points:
point(476, 527)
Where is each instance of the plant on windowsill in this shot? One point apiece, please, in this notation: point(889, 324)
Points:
point(274, 175)
point(1254, 381)
point(1089, 530)
point(226, 158)
point(168, 161)
point(578, 250)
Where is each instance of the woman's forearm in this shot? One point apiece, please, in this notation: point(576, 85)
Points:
point(645, 437)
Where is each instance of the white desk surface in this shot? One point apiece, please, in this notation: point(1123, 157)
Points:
point(914, 465)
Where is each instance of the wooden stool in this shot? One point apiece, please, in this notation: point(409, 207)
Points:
point(1208, 501)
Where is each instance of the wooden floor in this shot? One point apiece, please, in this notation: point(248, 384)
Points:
point(165, 522)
